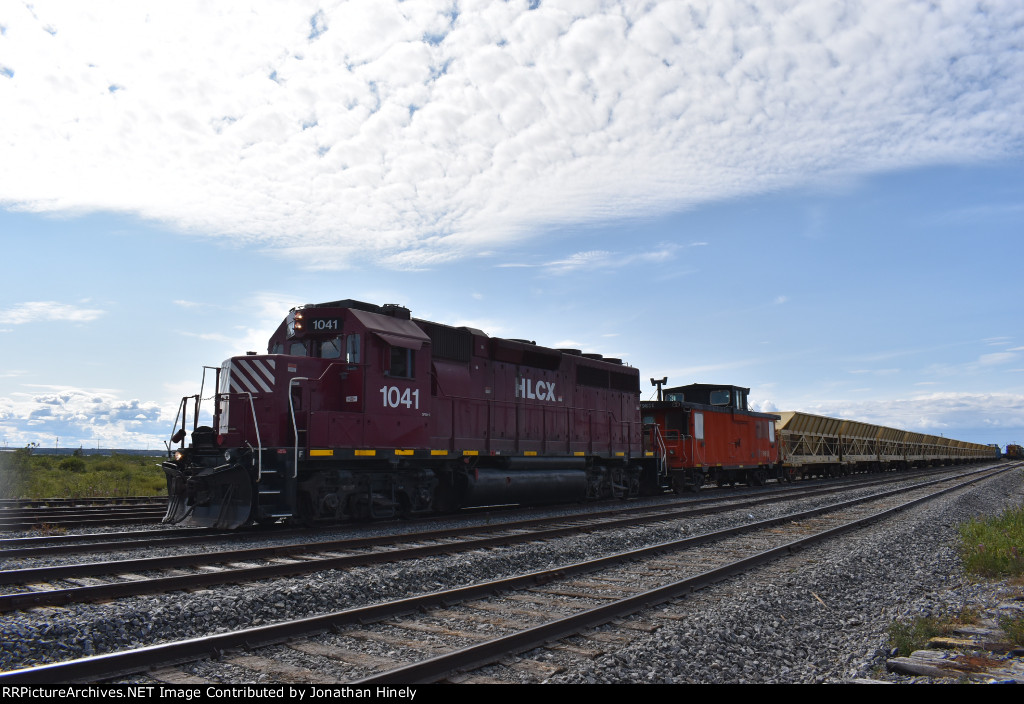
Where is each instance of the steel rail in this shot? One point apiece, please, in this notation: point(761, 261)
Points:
point(96, 542)
point(475, 656)
point(134, 587)
point(123, 663)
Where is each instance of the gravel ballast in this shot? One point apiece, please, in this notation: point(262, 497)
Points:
point(822, 615)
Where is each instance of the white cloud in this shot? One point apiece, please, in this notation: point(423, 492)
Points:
point(412, 133)
point(77, 416)
point(932, 413)
point(35, 311)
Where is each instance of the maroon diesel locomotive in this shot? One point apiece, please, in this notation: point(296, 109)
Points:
point(361, 411)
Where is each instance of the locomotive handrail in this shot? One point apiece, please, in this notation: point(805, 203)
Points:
point(202, 385)
point(259, 443)
point(177, 414)
point(295, 425)
point(662, 452)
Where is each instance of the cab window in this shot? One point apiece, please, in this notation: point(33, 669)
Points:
point(331, 348)
point(352, 349)
point(720, 398)
point(401, 362)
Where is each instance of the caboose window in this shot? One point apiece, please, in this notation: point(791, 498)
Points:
point(676, 421)
point(401, 362)
point(679, 398)
point(741, 400)
point(720, 398)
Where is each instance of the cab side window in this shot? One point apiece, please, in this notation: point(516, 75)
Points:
point(352, 349)
point(401, 362)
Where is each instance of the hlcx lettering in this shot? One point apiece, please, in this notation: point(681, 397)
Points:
point(539, 390)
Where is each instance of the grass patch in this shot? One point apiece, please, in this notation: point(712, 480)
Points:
point(914, 635)
point(24, 475)
point(1013, 628)
point(994, 546)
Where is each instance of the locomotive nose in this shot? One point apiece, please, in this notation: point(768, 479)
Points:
point(217, 497)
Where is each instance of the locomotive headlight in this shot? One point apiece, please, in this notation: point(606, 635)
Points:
point(179, 456)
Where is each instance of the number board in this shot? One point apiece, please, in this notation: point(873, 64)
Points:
point(323, 325)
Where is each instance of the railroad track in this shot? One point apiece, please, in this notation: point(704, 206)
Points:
point(64, 544)
point(69, 514)
point(129, 576)
point(485, 621)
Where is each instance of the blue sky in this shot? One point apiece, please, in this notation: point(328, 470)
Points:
point(821, 201)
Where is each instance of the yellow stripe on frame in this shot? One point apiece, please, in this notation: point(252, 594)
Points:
point(579, 454)
point(403, 452)
point(366, 453)
point(438, 453)
point(530, 453)
point(321, 453)
point(471, 452)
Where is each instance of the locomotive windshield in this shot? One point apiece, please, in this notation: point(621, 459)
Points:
point(331, 348)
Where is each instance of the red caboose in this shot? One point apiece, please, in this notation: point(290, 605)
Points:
point(360, 410)
point(706, 433)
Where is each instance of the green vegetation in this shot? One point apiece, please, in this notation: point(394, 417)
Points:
point(994, 547)
point(908, 637)
point(24, 474)
point(1013, 628)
